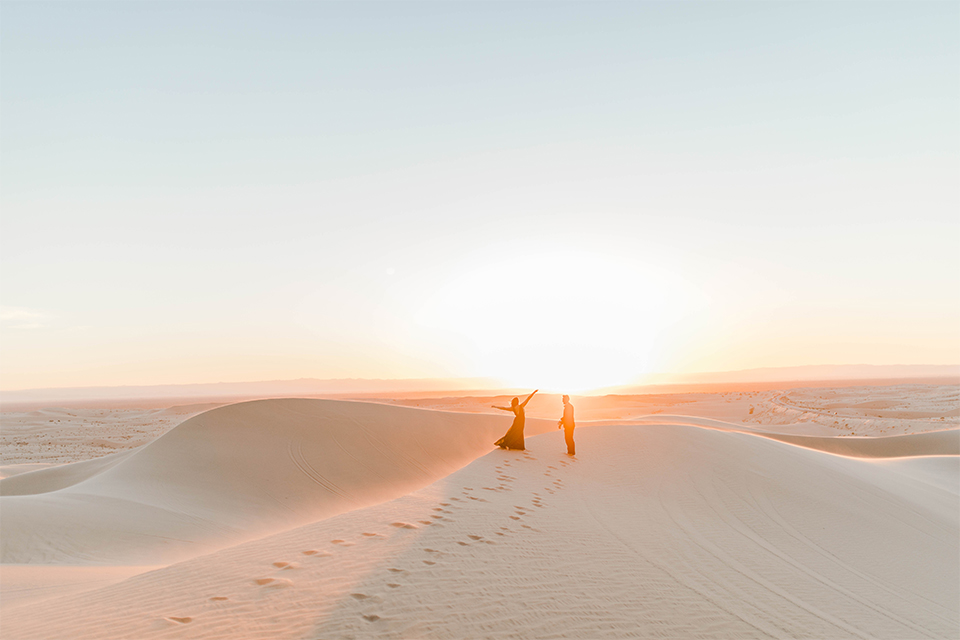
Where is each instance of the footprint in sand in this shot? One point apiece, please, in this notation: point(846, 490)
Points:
point(462, 544)
point(514, 518)
point(274, 583)
point(179, 620)
point(430, 562)
point(424, 522)
point(314, 552)
point(444, 504)
point(372, 535)
point(457, 499)
point(431, 551)
point(219, 598)
point(437, 509)
point(437, 517)
point(472, 537)
point(396, 570)
point(359, 596)
point(342, 543)
point(392, 585)
point(286, 566)
point(370, 618)
point(403, 525)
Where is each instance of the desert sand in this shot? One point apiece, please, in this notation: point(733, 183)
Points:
point(814, 512)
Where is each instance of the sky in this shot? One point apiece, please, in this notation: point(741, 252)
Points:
point(557, 195)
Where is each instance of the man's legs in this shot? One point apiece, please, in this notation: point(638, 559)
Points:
point(568, 436)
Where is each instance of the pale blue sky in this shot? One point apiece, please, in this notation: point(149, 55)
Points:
point(195, 192)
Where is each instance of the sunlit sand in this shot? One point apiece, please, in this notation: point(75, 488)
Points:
point(818, 512)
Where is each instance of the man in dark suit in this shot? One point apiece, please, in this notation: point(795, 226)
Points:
point(566, 422)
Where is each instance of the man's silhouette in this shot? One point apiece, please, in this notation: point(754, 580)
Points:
point(567, 423)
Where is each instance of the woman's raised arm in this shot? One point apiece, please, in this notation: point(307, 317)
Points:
point(524, 403)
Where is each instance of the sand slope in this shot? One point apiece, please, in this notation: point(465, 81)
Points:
point(233, 473)
point(928, 443)
point(671, 531)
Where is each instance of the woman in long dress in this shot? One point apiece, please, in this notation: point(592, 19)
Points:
point(514, 436)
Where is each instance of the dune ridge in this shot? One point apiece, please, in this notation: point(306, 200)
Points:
point(928, 443)
point(232, 473)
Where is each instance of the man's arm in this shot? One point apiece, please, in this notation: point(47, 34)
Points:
point(501, 408)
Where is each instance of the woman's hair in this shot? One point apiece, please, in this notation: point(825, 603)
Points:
point(515, 402)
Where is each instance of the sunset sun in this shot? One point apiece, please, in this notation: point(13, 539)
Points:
point(559, 319)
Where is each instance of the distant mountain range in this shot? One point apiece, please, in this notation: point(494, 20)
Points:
point(357, 387)
point(266, 388)
point(816, 372)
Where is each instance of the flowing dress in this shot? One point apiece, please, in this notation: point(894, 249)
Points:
point(514, 436)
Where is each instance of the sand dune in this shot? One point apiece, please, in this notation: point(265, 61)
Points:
point(928, 443)
point(654, 530)
point(233, 473)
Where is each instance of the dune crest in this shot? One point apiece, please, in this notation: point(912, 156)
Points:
point(232, 473)
point(945, 442)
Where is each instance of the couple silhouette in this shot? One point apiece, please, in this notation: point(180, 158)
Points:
point(513, 439)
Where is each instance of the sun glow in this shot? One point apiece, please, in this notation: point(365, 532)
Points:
point(559, 320)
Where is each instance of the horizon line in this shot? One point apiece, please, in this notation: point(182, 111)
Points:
point(492, 383)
